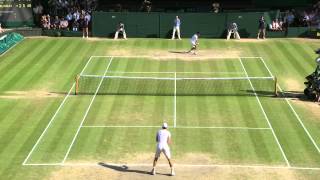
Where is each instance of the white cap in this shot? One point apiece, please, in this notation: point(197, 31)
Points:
point(165, 125)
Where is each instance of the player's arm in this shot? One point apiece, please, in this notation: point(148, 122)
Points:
point(169, 141)
point(157, 138)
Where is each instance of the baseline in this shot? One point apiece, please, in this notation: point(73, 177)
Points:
point(179, 127)
point(178, 165)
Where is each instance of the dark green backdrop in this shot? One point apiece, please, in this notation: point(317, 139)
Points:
point(160, 24)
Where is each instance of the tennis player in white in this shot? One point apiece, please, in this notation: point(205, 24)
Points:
point(120, 29)
point(176, 28)
point(163, 139)
point(194, 43)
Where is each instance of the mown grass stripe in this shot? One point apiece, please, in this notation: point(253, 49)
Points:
point(7, 107)
point(63, 64)
point(22, 73)
point(46, 67)
point(292, 61)
point(17, 123)
point(12, 60)
point(304, 55)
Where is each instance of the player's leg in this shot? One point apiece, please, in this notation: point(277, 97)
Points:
point(195, 49)
point(167, 154)
point(124, 34)
point(178, 32)
point(264, 33)
point(116, 35)
point(229, 34)
point(259, 34)
point(87, 32)
point(156, 157)
point(173, 32)
point(192, 48)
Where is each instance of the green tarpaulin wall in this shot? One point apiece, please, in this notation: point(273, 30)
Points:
point(209, 25)
point(160, 24)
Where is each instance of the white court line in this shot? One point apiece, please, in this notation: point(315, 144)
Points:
point(172, 72)
point(174, 79)
point(176, 165)
point(175, 102)
point(178, 127)
point(265, 115)
point(86, 114)
point(293, 110)
point(250, 57)
point(54, 116)
point(144, 56)
point(50, 122)
point(86, 65)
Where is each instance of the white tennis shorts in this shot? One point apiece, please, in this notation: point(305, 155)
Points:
point(165, 150)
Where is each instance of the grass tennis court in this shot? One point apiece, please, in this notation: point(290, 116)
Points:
point(220, 107)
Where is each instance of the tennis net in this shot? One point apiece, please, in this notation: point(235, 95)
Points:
point(170, 86)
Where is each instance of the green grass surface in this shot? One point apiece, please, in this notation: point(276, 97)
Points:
point(37, 74)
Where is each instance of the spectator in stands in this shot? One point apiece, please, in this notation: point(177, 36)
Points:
point(38, 11)
point(69, 19)
point(176, 28)
point(262, 28)
point(44, 22)
point(76, 15)
point(306, 19)
point(215, 7)
point(75, 26)
point(63, 24)
point(289, 18)
point(87, 16)
point(120, 28)
point(56, 23)
point(146, 6)
point(276, 25)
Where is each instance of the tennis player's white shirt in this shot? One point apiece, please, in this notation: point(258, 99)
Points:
point(162, 136)
point(194, 39)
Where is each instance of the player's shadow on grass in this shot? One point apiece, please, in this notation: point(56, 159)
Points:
point(297, 95)
point(126, 169)
point(179, 52)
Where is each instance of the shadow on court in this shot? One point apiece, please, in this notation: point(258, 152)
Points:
point(126, 169)
point(179, 52)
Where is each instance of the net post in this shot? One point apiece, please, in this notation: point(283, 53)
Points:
point(275, 86)
point(77, 85)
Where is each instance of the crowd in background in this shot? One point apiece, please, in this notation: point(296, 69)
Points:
point(71, 15)
point(309, 17)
